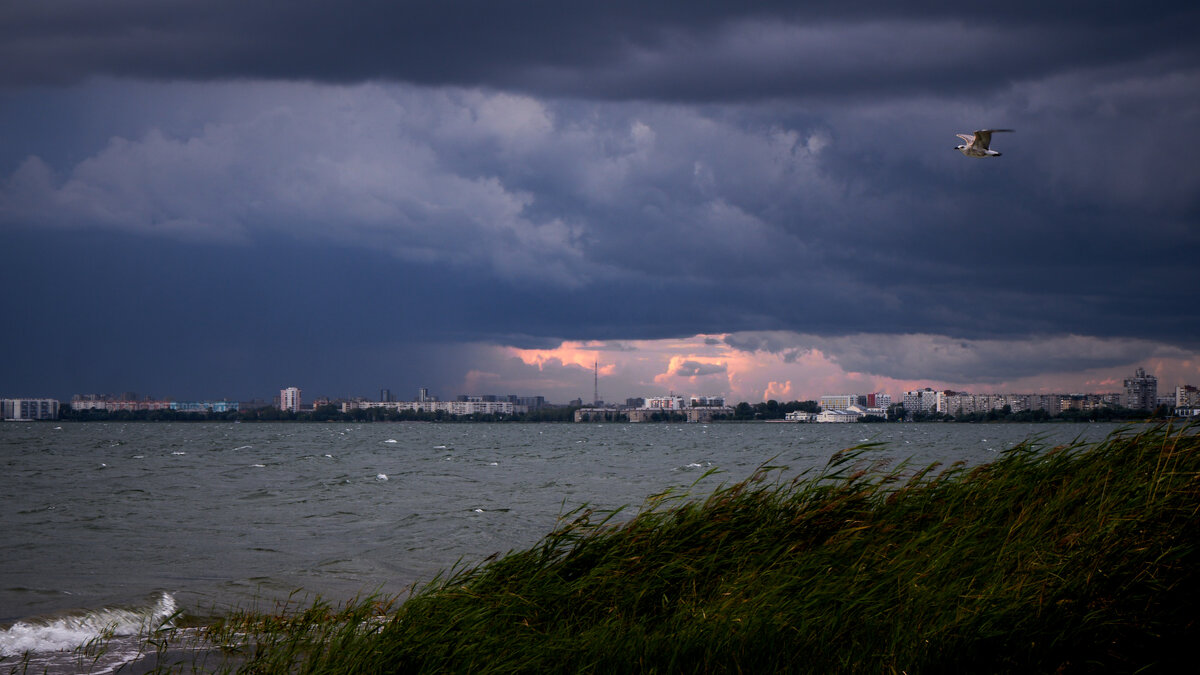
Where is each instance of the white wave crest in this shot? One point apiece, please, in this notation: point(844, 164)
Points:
point(71, 632)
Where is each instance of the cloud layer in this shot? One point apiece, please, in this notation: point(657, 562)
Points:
point(527, 175)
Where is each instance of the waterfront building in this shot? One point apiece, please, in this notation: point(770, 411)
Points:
point(13, 409)
point(864, 411)
point(1187, 396)
point(1141, 391)
point(707, 401)
point(289, 399)
point(800, 416)
point(601, 414)
point(838, 416)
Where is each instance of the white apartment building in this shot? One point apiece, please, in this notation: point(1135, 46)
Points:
point(920, 400)
point(289, 399)
point(13, 409)
point(663, 403)
point(961, 403)
point(1187, 396)
point(837, 401)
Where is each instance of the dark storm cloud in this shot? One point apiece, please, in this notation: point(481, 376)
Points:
point(522, 173)
point(619, 49)
point(635, 220)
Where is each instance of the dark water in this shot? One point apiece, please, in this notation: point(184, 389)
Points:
point(113, 523)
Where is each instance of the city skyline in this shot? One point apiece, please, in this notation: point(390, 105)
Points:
point(1140, 386)
point(758, 201)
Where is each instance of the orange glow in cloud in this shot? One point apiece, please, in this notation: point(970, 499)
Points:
point(582, 354)
point(479, 380)
point(708, 365)
point(678, 362)
point(778, 391)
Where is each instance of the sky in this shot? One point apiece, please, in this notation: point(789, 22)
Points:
point(216, 199)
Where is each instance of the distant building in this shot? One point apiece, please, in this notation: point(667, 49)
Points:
point(837, 401)
point(385, 395)
point(205, 406)
point(800, 416)
point(125, 402)
point(828, 416)
point(600, 414)
point(1141, 391)
point(670, 403)
point(289, 399)
point(1187, 396)
point(13, 409)
point(708, 401)
point(705, 414)
point(920, 401)
point(473, 407)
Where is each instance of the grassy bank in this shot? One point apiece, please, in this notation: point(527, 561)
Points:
point(1076, 558)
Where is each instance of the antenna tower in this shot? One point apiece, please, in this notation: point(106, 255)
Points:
point(596, 383)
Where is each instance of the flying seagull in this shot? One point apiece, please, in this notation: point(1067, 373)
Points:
point(977, 143)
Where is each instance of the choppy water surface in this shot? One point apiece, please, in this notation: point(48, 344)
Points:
point(149, 518)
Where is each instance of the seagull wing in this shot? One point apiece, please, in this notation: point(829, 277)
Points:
point(967, 138)
point(983, 137)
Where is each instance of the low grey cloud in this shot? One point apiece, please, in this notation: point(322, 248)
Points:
point(945, 359)
point(691, 368)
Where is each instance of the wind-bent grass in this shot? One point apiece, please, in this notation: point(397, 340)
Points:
point(1073, 558)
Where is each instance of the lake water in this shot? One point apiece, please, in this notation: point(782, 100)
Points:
point(112, 523)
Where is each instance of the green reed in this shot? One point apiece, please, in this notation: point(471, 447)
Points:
point(1073, 558)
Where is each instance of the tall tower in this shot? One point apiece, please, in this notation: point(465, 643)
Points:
point(1141, 391)
point(289, 399)
point(596, 383)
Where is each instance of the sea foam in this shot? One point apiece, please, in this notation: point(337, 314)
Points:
point(76, 630)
